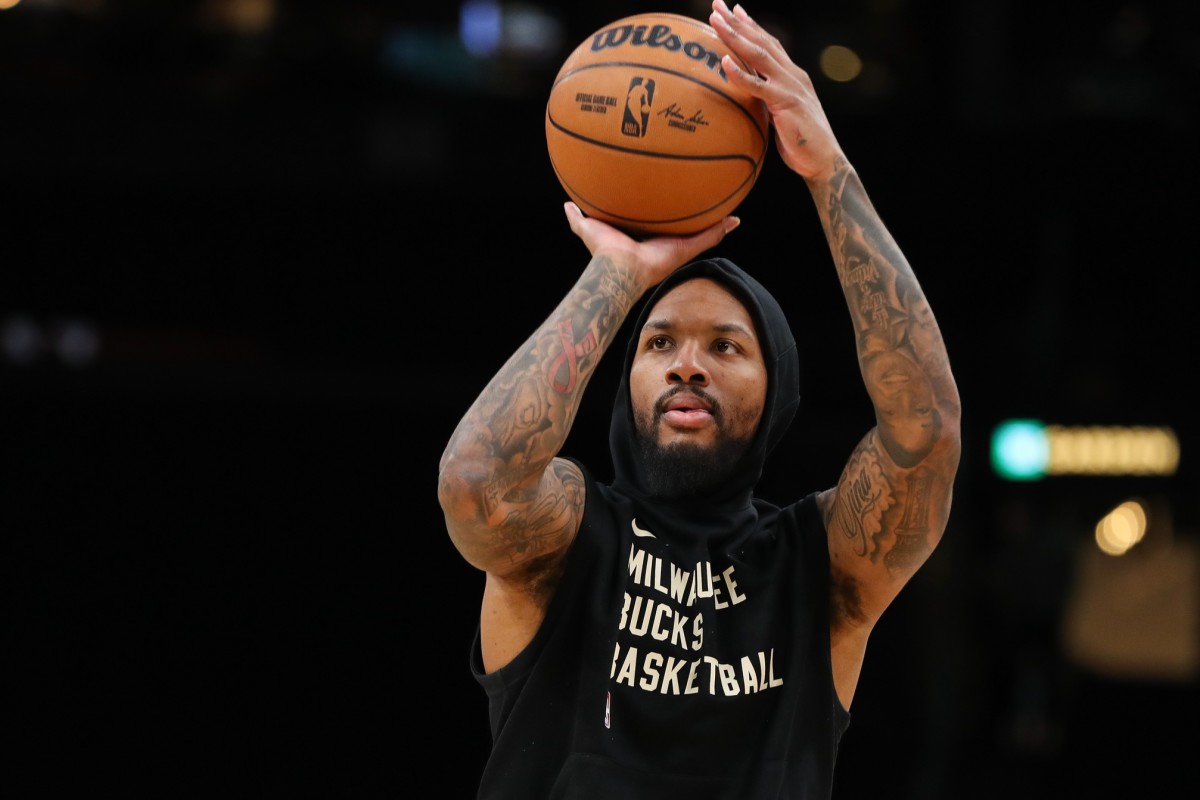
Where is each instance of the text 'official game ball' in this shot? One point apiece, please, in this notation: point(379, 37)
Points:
point(645, 130)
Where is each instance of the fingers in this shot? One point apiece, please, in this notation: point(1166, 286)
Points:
point(749, 81)
point(710, 237)
point(713, 234)
point(737, 10)
point(758, 48)
point(738, 16)
point(574, 215)
point(738, 26)
point(720, 20)
point(745, 39)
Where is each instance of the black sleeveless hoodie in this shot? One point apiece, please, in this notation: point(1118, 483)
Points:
point(685, 654)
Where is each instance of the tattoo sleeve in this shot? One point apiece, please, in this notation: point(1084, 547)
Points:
point(516, 426)
point(894, 494)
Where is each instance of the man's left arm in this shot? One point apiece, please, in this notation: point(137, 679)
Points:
point(891, 504)
point(892, 501)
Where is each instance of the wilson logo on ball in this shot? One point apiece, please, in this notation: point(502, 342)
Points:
point(657, 36)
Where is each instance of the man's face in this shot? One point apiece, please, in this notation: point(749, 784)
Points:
point(698, 384)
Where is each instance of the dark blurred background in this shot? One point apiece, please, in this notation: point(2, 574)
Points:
point(260, 255)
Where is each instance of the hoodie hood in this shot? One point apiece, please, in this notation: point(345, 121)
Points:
point(734, 497)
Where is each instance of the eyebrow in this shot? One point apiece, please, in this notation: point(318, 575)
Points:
point(660, 323)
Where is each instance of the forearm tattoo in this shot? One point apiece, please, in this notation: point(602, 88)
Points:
point(873, 273)
point(885, 509)
point(522, 418)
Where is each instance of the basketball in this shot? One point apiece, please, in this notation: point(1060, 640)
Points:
point(646, 132)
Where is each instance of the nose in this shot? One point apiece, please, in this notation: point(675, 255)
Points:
point(688, 367)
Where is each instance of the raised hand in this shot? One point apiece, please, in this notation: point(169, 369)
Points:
point(654, 258)
point(803, 134)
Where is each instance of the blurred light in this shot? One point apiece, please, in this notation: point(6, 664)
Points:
point(436, 59)
point(1112, 451)
point(77, 343)
point(7, 4)
point(73, 6)
point(488, 29)
point(1135, 617)
point(531, 33)
point(479, 27)
point(1020, 450)
point(1121, 528)
point(840, 63)
point(491, 50)
point(1026, 450)
point(22, 340)
point(247, 17)
point(250, 16)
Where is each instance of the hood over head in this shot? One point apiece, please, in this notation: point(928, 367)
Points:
point(782, 400)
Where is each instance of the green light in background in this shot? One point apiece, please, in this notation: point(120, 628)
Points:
point(1020, 450)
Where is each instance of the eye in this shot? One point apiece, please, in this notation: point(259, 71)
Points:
point(724, 346)
point(659, 343)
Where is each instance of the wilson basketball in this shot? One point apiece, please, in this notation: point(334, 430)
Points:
point(645, 130)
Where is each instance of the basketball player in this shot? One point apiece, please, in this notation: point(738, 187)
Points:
point(669, 634)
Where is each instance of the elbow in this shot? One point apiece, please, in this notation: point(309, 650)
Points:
point(459, 486)
point(459, 491)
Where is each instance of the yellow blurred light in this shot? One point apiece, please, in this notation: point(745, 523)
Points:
point(1122, 528)
point(7, 4)
point(1098, 450)
point(840, 63)
point(247, 17)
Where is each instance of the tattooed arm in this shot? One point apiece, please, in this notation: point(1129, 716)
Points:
point(512, 507)
point(892, 501)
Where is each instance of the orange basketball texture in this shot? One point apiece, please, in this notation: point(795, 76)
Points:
point(645, 130)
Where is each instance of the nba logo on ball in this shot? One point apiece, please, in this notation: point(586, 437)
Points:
point(637, 107)
point(645, 131)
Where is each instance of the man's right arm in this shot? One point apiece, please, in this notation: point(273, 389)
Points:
point(508, 503)
point(512, 507)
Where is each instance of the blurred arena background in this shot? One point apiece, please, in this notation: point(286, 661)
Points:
point(259, 255)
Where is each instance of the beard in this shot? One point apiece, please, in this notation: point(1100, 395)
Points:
point(682, 469)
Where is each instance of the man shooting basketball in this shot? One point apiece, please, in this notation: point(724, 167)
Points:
point(669, 634)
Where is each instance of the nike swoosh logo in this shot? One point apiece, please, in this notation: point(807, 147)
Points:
point(641, 532)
